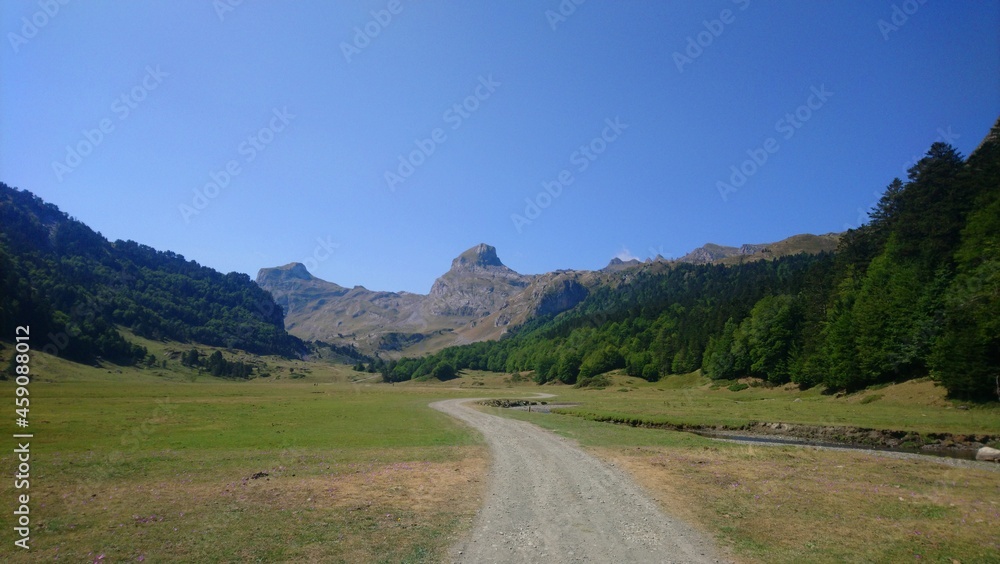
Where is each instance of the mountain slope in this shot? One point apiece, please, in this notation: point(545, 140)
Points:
point(73, 287)
point(720, 254)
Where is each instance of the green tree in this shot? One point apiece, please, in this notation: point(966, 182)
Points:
point(966, 355)
point(444, 371)
point(719, 362)
point(770, 331)
point(544, 368)
point(886, 322)
point(839, 347)
point(569, 367)
point(602, 360)
point(191, 358)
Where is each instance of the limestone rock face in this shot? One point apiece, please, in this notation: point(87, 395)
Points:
point(477, 285)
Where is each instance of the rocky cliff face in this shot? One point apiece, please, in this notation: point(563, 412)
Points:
point(477, 285)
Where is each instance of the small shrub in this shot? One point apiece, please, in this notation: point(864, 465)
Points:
point(737, 387)
point(598, 382)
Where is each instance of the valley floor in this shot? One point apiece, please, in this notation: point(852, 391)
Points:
point(316, 463)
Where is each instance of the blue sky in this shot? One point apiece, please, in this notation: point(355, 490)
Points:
point(271, 132)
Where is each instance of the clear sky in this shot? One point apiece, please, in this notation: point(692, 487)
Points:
point(259, 134)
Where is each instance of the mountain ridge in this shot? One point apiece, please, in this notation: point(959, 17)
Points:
point(478, 298)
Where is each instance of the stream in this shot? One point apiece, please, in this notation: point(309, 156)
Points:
point(784, 440)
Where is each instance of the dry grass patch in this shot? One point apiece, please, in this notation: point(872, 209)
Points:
point(324, 511)
point(786, 504)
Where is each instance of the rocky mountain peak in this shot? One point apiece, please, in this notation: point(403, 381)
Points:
point(297, 270)
point(617, 264)
point(290, 271)
point(482, 255)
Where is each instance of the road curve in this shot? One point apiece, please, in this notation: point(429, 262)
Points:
point(548, 501)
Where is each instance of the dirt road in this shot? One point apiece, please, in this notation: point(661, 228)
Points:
point(548, 501)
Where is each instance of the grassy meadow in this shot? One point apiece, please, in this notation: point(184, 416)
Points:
point(165, 464)
point(692, 399)
point(316, 462)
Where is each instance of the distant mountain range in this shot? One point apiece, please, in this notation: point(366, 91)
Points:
point(65, 279)
point(479, 298)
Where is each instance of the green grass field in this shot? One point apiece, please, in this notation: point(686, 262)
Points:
point(694, 400)
point(157, 464)
point(147, 464)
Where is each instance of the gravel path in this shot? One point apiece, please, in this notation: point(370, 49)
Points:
point(548, 501)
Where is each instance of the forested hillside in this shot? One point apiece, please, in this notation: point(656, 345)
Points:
point(72, 286)
point(914, 292)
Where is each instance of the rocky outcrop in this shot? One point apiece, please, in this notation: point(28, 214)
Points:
point(709, 253)
point(507, 403)
point(477, 285)
point(561, 296)
point(747, 250)
point(988, 454)
point(618, 264)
